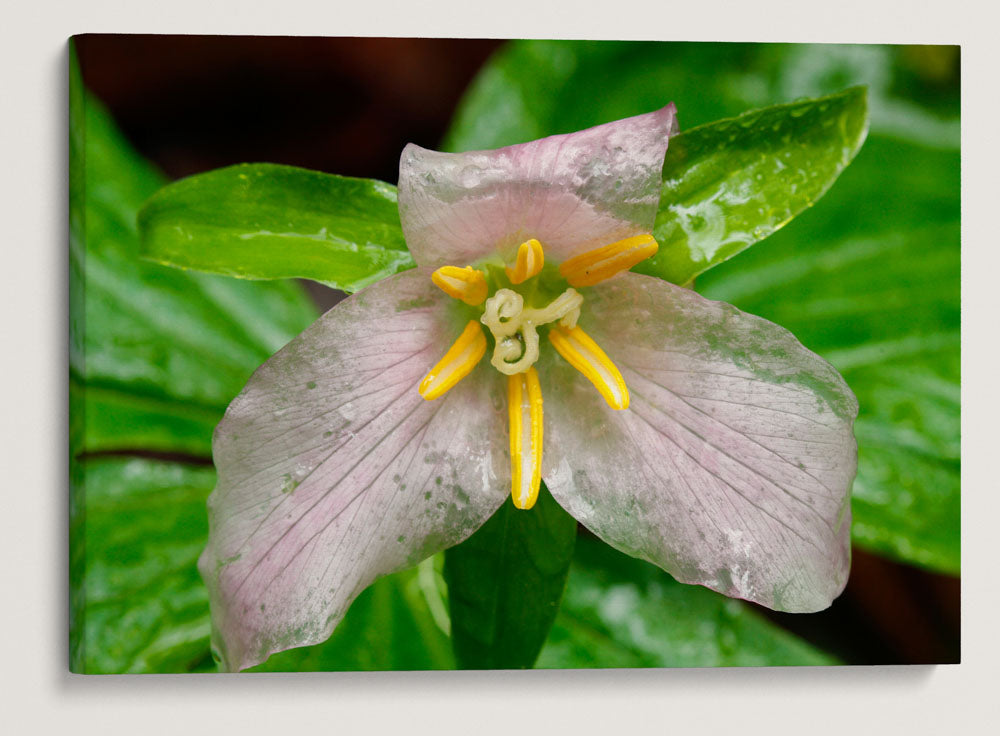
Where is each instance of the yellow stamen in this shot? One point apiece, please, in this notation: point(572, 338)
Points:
point(530, 259)
point(466, 284)
point(602, 263)
point(456, 364)
point(524, 406)
point(587, 357)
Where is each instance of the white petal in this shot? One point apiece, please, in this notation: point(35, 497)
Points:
point(333, 470)
point(732, 467)
point(571, 192)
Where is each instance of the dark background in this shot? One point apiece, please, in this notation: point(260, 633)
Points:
point(348, 106)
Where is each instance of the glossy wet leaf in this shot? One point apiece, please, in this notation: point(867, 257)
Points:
point(531, 89)
point(145, 608)
point(116, 420)
point(534, 88)
point(880, 300)
point(156, 356)
point(264, 221)
point(138, 528)
point(905, 178)
point(151, 340)
point(729, 184)
point(505, 583)
point(621, 612)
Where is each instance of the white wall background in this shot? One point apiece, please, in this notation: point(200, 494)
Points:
point(38, 694)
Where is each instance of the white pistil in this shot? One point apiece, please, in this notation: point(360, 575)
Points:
point(507, 317)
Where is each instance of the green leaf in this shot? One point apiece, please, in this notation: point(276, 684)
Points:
point(142, 607)
point(534, 88)
point(119, 421)
point(729, 184)
point(505, 583)
point(870, 280)
point(622, 612)
point(531, 89)
point(156, 355)
point(263, 221)
point(150, 334)
point(138, 527)
point(903, 183)
point(398, 623)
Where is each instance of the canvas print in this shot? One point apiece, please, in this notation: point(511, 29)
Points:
point(409, 354)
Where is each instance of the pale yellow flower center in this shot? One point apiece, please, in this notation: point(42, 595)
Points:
point(514, 328)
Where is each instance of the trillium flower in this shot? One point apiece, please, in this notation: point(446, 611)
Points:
point(678, 430)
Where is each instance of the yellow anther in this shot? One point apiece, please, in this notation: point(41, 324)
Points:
point(587, 357)
point(524, 406)
point(466, 284)
point(602, 263)
point(456, 364)
point(530, 259)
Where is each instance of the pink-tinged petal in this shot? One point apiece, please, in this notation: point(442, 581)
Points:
point(571, 192)
point(333, 470)
point(732, 467)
